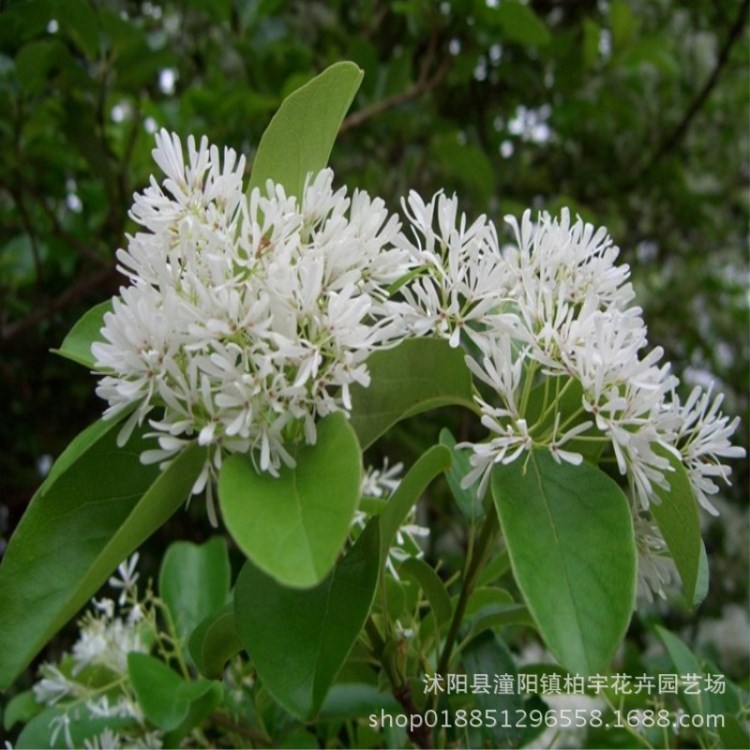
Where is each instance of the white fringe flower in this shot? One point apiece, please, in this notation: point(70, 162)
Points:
point(247, 317)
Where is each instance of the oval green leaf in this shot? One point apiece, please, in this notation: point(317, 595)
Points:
point(215, 641)
point(89, 515)
point(157, 688)
point(570, 538)
point(417, 375)
point(299, 639)
point(194, 582)
point(299, 139)
point(293, 526)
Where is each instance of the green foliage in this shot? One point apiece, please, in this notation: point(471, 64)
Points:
point(76, 346)
point(301, 134)
point(214, 641)
point(89, 515)
point(433, 587)
point(40, 730)
point(165, 697)
point(677, 518)
point(403, 385)
point(430, 464)
point(194, 582)
point(570, 539)
point(306, 511)
point(513, 104)
point(299, 639)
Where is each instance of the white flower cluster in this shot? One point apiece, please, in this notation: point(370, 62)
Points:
point(247, 316)
point(552, 334)
point(92, 682)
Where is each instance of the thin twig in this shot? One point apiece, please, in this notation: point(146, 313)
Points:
point(489, 527)
point(420, 735)
point(73, 294)
point(678, 133)
point(424, 83)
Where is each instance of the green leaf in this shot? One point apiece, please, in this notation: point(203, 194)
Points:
point(89, 516)
point(623, 24)
point(298, 639)
point(416, 376)
point(687, 663)
point(677, 518)
point(293, 526)
point(83, 726)
point(409, 490)
point(433, 587)
point(77, 344)
point(520, 24)
point(732, 733)
point(352, 700)
point(570, 538)
point(467, 499)
point(301, 134)
point(496, 568)
point(215, 641)
point(157, 688)
point(168, 701)
point(484, 598)
point(37, 60)
point(500, 616)
point(77, 447)
point(22, 707)
point(467, 166)
point(78, 21)
point(701, 585)
point(194, 582)
point(591, 40)
point(488, 655)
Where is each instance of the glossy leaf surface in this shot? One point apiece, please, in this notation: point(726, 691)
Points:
point(301, 134)
point(570, 538)
point(418, 375)
point(89, 515)
point(293, 526)
point(297, 639)
point(194, 582)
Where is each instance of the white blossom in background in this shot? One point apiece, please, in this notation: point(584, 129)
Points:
point(92, 680)
point(247, 317)
point(727, 635)
point(381, 484)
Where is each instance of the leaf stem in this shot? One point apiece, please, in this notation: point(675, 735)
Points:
point(489, 527)
point(420, 735)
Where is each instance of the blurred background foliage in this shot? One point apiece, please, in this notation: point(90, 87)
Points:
point(634, 114)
